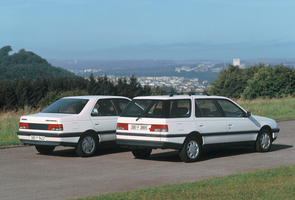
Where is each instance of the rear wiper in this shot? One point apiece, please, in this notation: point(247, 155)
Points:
point(139, 116)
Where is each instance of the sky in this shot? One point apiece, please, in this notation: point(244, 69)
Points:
point(150, 29)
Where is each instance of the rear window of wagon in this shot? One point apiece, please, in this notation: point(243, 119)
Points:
point(180, 108)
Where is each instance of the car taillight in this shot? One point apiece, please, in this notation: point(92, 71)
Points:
point(122, 126)
point(159, 128)
point(23, 125)
point(55, 127)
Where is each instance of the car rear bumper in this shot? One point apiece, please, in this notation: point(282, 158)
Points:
point(54, 139)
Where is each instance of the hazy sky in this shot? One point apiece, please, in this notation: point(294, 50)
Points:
point(150, 29)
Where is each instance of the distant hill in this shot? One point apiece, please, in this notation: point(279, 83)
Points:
point(26, 63)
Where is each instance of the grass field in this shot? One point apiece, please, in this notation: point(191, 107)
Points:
point(278, 109)
point(277, 183)
point(9, 121)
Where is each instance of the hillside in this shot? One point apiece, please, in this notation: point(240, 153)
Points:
point(26, 63)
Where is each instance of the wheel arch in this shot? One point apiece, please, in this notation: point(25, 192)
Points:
point(194, 134)
point(265, 127)
point(92, 132)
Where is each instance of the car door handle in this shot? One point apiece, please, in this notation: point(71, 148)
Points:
point(97, 124)
point(201, 125)
point(230, 126)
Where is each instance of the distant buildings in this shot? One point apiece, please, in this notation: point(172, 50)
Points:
point(243, 64)
point(240, 63)
point(236, 62)
point(178, 83)
point(200, 68)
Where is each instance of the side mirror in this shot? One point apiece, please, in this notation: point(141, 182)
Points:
point(248, 114)
point(95, 111)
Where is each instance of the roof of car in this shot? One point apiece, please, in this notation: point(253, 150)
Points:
point(167, 97)
point(96, 96)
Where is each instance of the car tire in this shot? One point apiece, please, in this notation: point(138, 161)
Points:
point(264, 141)
point(44, 149)
point(87, 145)
point(191, 150)
point(141, 153)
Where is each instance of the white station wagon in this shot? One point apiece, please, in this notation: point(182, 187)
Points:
point(83, 122)
point(190, 124)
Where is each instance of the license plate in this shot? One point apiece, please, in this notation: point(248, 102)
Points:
point(139, 127)
point(37, 137)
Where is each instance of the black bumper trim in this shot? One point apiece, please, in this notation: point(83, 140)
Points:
point(275, 130)
point(149, 144)
point(60, 135)
point(33, 142)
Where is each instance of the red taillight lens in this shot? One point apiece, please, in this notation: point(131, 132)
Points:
point(55, 127)
point(23, 125)
point(122, 126)
point(159, 128)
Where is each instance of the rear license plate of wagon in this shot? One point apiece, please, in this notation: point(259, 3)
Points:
point(37, 137)
point(139, 127)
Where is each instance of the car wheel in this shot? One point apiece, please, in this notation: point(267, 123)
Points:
point(44, 149)
point(191, 150)
point(141, 153)
point(263, 142)
point(87, 145)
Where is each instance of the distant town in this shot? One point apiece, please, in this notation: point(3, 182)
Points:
point(180, 84)
point(182, 76)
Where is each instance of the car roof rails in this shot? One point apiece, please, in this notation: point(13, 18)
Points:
point(171, 94)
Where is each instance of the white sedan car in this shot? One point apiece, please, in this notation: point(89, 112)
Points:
point(190, 124)
point(83, 122)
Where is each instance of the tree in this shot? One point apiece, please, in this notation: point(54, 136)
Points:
point(24, 93)
point(40, 89)
point(272, 82)
point(134, 88)
point(158, 90)
point(8, 97)
point(4, 52)
point(147, 89)
point(91, 85)
point(122, 87)
point(106, 86)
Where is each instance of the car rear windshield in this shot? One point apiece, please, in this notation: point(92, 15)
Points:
point(68, 106)
point(158, 108)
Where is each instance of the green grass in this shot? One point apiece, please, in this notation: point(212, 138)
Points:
point(278, 109)
point(276, 183)
point(9, 121)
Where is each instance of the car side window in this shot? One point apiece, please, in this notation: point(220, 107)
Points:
point(206, 108)
point(180, 108)
point(103, 107)
point(230, 109)
point(120, 104)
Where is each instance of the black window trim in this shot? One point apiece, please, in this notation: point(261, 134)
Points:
point(115, 105)
point(244, 114)
point(218, 106)
point(112, 105)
